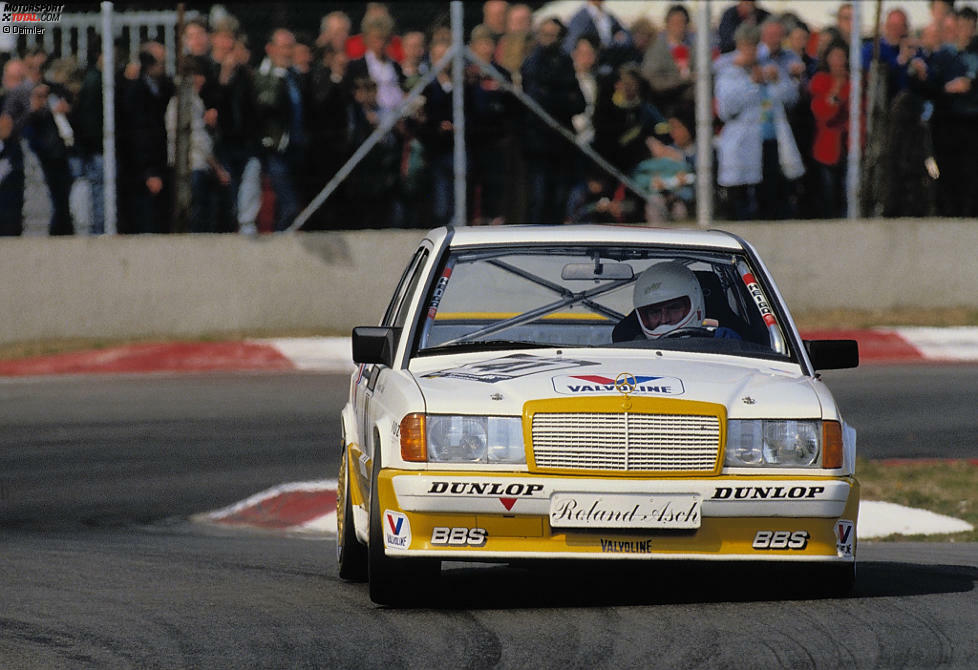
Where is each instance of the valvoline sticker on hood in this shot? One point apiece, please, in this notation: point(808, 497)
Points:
point(593, 384)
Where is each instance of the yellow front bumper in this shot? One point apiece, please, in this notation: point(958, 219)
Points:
point(469, 536)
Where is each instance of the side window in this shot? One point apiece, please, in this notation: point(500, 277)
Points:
point(408, 279)
point(404, 307)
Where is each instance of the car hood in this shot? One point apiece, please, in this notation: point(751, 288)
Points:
point(500, 383)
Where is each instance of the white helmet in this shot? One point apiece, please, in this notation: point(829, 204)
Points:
point(668, 296)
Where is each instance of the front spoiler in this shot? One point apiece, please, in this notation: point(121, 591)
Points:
point(810, 519)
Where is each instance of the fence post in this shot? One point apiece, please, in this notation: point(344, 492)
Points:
point(108, 124)
point(458, 112)
point(853, 177)
point(704, 119)
point(181, 143)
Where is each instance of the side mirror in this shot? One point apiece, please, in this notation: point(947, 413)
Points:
point(833, 354)
point(374, 344)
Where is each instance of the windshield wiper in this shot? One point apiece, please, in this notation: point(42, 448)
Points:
point(490, 345)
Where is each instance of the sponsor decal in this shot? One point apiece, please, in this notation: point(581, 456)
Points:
point(767, 492)
point(598, 383)
point(626, 546)
point(439, 292)
point(781, 539)
point(459, 537)
point(397, 530)
point(508, 494)
point(845, 537)
point(625, 511)
point(488, 489)
point(758, 295)
point(508, 367)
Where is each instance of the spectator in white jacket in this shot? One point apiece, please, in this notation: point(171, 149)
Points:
point(207, 176)
point(757, 156)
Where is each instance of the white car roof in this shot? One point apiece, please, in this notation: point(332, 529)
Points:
point(585, 234)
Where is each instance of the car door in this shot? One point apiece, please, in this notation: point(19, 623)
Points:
point(369, 406)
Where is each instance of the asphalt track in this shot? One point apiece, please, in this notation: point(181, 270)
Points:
point(913, 411)
point(99, 567)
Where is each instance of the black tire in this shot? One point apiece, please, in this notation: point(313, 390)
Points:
point(394, 581)
point(840, 579)
point(351, 555)
point(831, 580)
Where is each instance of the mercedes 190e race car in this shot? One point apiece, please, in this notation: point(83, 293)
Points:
point(591, 392)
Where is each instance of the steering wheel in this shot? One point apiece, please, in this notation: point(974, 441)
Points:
point(688, 331)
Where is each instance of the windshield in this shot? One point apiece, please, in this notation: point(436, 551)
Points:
point(599, 297)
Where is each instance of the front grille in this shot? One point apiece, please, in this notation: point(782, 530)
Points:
point(626, 442)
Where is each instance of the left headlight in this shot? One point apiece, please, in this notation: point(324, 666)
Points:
point(781, 442)
point(452, 438)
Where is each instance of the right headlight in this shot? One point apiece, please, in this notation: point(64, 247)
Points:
point(786, 443)
point(454, 438)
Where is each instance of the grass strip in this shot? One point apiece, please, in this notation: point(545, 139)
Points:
point(850, 318)
point(947, 487)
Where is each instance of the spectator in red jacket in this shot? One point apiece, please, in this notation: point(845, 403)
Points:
point(356, 46)
point(830, 107)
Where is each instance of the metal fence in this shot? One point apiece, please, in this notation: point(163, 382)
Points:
point(73, 34)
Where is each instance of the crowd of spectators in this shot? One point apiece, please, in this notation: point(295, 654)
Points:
point(268, 130)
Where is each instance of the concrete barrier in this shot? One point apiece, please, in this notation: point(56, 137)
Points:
point(182, 285)
point(187, 285)
point(876, 264)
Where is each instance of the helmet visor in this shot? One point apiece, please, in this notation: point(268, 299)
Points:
point(668, 312)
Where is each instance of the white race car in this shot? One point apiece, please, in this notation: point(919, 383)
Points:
point(591, 392)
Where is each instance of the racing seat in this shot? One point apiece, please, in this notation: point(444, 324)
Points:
point(716, 303)
point(628, 329)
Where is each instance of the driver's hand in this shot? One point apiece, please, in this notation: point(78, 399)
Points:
point(726, 333)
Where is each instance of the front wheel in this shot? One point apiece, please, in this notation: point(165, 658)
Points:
point(351, 555)
point(822, 580)
point(394, 581)
point(837, 580)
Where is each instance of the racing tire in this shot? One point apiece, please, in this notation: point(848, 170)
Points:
point(351, 555)
point(839, 580)
point(395, 581)
point(833, 580)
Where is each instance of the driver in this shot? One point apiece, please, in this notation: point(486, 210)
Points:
point(667, 297)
